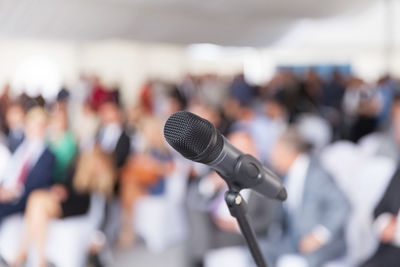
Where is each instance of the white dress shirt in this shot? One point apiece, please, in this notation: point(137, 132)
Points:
point(295, 181)
point(4, 159)
point(109, 137)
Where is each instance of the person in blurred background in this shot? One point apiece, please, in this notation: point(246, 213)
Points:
point(288, 85)
point(113, 138)
point(112, 135)
point(245, 118)
point(362, 105)
point(92, 173)
point(209, 113)
point(212, 89)
point(15, 116)
point(98, 93)
point(241, 90)
point(175, 101)
point(386, 214)
point(314, 215)
point(276, 114)
point(145, 168)
point(386, 87)
point(31, 166)
point(334, 91)
point(62, 143)
point(144, 174)
point(85, 125)
point(310, 94)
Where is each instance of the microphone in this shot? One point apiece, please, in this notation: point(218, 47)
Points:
point(198, 140)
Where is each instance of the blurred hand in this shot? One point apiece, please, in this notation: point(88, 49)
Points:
point(229, 225)
point(8, 195)
point(59, 192)
point(309, 244)
point(389, 232)
point(147, 161)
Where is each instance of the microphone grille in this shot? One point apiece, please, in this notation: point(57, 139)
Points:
point(192, 136)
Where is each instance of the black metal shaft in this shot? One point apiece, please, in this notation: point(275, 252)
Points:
point(238, 209)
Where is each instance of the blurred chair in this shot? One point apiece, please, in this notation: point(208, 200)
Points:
point(291, 260)
point(382, 144)
point(68, 239)
point(160, 220)
point(229, 256)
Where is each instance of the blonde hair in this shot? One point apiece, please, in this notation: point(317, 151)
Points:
point(151, 128)
point(95, 173)
point(37, 114)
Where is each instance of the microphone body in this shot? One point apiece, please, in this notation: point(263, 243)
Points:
point(198, 140)
point(241, 171)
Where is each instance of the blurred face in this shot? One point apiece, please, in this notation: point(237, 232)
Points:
point(58, 122)
point(232, 108)
point(35, 129)
point(109, 113)
point(206, 113)
point(153, 133)
point(173, 105)
point(273, 110)
point(15, 117)
point(243, 142)
point(282, 157)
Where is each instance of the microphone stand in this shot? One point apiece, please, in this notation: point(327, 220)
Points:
point(238, 209)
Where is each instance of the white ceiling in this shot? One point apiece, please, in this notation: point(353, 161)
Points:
point(225, 22)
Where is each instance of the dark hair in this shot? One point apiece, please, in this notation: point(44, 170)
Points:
point(177, 95)
point(63, 95)
point(278, 97)
point(292, 137)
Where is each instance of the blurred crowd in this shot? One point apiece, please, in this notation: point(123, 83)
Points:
point(88, 163)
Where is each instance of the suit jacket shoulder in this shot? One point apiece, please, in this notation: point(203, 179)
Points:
point(390, 201)
point(41, 174)
point(122, 149)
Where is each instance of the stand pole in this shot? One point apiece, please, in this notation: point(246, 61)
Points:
point(238, 209)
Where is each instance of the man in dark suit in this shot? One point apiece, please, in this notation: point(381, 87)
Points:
point(113, 139)
point(387, 212)
point(386, 222)
point(30, 168)
point(112, 136)
point(313, 217)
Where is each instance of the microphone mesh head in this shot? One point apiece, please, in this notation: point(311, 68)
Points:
point(194, 137)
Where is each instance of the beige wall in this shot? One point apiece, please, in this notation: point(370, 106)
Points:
point(123, 63)
point(129, 64)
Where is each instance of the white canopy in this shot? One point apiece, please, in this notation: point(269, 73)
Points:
point(225, 22)
point(374, 26)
